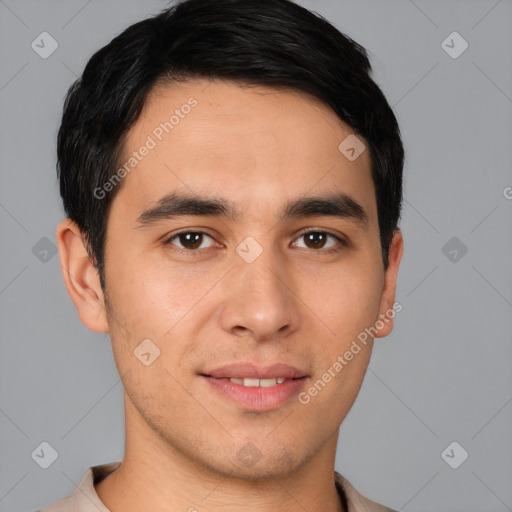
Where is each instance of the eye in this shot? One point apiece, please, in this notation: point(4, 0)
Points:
point(190, 241)
point(318, 239)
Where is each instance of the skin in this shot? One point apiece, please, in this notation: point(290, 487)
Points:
point(296, 303)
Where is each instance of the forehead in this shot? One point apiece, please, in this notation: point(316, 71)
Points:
point(252, 144)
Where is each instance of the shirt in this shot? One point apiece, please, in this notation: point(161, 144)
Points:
point(85, 499)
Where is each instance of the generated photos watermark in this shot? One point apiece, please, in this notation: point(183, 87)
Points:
point(342, 360)
point(152, 141)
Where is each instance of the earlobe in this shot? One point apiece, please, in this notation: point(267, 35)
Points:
point(81, 277)
point(387, 310)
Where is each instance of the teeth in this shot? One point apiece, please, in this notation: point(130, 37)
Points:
point(267, 383)
point(253, 383)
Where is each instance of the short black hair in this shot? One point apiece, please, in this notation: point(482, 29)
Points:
point(274, 43)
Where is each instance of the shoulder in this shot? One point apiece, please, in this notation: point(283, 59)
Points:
point(84, 498)
point(356, 502)
point(68, 504)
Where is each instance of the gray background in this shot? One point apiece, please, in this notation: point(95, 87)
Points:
point(443, 375)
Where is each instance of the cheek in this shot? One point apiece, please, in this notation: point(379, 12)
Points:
point(145, 347)
point(148, 296)
point(151, 301)
point(346, 299)
point(348, 304)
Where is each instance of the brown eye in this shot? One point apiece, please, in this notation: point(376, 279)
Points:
point(190, 240)
point(315, 240)
point(319, 240)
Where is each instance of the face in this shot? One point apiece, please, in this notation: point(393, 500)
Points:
point(252, 277)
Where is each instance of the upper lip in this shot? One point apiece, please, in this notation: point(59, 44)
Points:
point(249, 370)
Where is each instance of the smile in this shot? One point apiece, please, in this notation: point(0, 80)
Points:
point(254, 383)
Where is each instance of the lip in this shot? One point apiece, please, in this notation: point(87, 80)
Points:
point(256, 398)
point(249, 370)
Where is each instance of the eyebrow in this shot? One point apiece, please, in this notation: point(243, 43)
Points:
point(174, 205)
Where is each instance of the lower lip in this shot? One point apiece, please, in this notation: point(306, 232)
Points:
point(258, 398)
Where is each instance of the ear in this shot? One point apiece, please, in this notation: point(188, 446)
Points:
point(387, 301)
point(81, 277)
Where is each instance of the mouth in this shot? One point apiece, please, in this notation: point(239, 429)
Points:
point(260, 392)
point(249, 373)
point(254, 383)
point(249, 382)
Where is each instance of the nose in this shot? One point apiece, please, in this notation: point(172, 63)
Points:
point(260, 299)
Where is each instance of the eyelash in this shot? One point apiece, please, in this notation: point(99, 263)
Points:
point(195, 252)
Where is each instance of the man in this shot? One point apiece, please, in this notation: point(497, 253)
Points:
point(232, 178)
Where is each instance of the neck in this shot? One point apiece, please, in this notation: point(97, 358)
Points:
point(157, 475)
